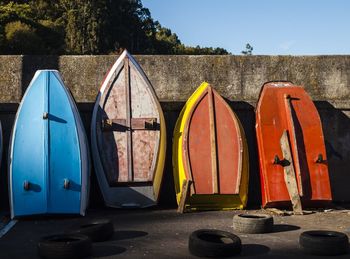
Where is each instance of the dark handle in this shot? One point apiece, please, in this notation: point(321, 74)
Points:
point(282, 162)
point(45, 115)
point(66, 184)
point(277, 160)
point(320, 159)
point(26, 185)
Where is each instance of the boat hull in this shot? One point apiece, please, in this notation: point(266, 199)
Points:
point(49, 162)
point(128, 137)
point(210, 150)
point(291, 110)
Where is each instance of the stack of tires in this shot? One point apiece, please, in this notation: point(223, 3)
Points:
point(218, 243)
point(76, 243)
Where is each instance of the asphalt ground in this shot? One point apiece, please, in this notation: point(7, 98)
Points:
point(159, 233)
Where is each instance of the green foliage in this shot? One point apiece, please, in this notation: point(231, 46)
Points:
point(21, 20)
point(13, 11)
point(248, 50)
point(21, 38)
point(86, 27)
point(201, 51)
point(81, 23)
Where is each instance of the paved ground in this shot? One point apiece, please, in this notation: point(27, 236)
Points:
point(164, 233)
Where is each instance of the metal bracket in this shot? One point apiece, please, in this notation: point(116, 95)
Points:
point(150, 124)
point(281, 162)
point(319, 159)
point(26, 185)
point(45, 115)
point(136, 124)
point(276, 160)
point(66, 184)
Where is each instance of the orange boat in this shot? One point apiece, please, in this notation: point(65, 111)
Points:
point(210, 155)
point(286, 109)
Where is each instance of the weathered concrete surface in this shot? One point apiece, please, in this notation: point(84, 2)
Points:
point(10, 78)
point(175, 77)
point(237, 78)
point(164, 233)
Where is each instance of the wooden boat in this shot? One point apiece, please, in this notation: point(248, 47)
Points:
point(210, 154)
point(48, 153)
point(128, 137)
point(284, 107)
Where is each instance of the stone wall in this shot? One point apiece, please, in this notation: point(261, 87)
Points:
point(237, 78)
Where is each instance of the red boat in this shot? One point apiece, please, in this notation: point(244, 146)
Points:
point(284, 107)
point(210, 154)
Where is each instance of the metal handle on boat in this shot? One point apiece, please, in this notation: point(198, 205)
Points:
point(319, 159)
point(66, 184)
point(281, 162)
point(277, 160)
point(26, 185)
point(45, 115)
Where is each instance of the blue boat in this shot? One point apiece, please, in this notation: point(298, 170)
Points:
point(49, 165)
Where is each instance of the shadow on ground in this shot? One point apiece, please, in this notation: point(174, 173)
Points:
point(103, 250)
point(128, 234)
point(254, 250)
point(284, 227)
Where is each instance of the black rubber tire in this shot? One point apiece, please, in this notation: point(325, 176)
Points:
point(320, 242)
point(65, 246)
point(253, 223)
point(96, 230)
point(211, 243)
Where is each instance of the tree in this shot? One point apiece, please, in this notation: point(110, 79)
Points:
point(21, 21)
point(21, 38)
point(87, 27)
point(248, 50)
point(80, 19)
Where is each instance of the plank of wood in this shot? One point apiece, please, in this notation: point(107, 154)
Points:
point(187, 161)
point(184, 195)
point(213, 155)
point(289, 175)
point(289, 107)
point(128, 120)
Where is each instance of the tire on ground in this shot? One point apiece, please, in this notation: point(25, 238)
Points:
point(320, 242)
point(214, 243)
point(253, 223)
point(96, 230)
point(64, 246)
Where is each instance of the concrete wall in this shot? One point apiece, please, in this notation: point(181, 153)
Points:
point(237, 78)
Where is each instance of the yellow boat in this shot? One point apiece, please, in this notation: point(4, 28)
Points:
point(210, 154)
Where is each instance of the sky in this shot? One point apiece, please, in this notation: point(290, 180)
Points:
point(272, 27)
